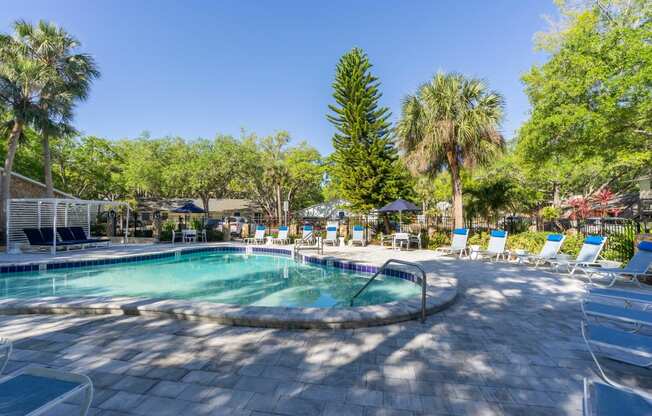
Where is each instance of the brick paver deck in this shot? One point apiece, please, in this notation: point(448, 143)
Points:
point(510, 345)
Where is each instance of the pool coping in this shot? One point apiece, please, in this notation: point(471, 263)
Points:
point(441, 293)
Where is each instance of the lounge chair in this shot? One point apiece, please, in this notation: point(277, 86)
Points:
point(37, 240)
point(602, 399)
point(638, 266)
point(496, 247)
point(331, 236)
point(626, 296)
point(5, 349)
point(80, 234)
point(357, 236)
point(548, 252)
point(622, 346)
point(35, 390)
point(259, 236)
point(458, 243)
point(307, 234)
point(282, 237)
point(587, 257)
point(637, 317)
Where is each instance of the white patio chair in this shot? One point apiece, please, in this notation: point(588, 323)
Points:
point(635, 349)
point(587, 257)
point(331, 236)
point(282, 237)
point(636, 318)
point(357, 236)
point(548, 252)
point(639, 265)
point(259, 236)
point(458, 243)
point(496, 248)
point(398, 239)
point(307, 233)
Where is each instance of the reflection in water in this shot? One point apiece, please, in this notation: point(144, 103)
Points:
point(216, 277)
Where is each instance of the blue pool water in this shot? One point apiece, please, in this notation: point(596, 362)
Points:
point(216, 277)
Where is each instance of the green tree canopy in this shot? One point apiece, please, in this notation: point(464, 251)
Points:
point(363, 168)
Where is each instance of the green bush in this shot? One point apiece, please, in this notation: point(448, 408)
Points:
point(166, 235)
point(169, 225)
point(214, 235)
point(532, 241)
point(620, 246)
point(481, 239)
point(437, 239)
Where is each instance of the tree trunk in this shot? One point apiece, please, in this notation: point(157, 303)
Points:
point(47, 166)
point(456, 182)
point(556, 198)
point(279, 205)
point(12, 146)
point(205, 200)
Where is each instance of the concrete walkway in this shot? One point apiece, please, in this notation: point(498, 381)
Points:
point(510, 345)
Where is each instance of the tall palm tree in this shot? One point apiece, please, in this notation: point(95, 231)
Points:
point(450, 122)
point(69, 78)
point(21, 83)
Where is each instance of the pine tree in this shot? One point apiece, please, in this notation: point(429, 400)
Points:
point(364, 167)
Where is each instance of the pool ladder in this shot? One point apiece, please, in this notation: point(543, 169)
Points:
point(405, 263)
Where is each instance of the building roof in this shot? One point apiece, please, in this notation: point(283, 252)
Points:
point(325, 210)
point(214, 204)
point(37, 183)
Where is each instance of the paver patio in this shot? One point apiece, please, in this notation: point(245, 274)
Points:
point(510, 345)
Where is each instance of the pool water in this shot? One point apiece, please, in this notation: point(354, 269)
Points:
point(216, 277)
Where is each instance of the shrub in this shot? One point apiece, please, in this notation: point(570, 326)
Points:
point(214, 235)
point(169, 225)
point(481, 239)
point(196, 224)
point(532, 241)
point(166, 235)
point(550, 213)
point(436, 239)
point(620, 246)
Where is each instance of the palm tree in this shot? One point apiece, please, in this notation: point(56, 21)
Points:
point(21, 83)
point(68, 80)
point(450, 122)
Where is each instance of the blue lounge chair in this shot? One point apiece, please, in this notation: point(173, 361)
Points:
point(357, 236)
point(37, 240)
point(638, 266)
point(549, 251)
point(635, 349)
point(80, 235)
point(331, 235)
point(636, 317)
point(282, 237)
point(587, 257)
point(35, 390)
point(259, 236)
point(496, 248)
point(626, 296)
point(458, 243)
point(602, 399)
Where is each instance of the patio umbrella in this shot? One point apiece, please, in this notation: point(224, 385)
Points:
point(399, 206)
point(189, 208)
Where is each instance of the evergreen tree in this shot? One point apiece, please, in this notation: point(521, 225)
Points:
point(364, 167)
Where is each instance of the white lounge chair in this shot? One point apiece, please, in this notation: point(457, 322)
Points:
point(496, 248)
point(587, 257)
point(548, 252)
point(357, 236)
point(35, 390)
point(602, 399)
point(458, 243)
point(307, 234)
point(638, 266)
point(331, 236)
point(282, 237)
point(259, 236)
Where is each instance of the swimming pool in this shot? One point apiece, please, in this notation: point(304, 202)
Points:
point(219, 277)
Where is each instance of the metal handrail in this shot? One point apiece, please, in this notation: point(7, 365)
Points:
point(405, 263)
point(319, 243)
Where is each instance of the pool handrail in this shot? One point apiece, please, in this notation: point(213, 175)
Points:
point(405, 263)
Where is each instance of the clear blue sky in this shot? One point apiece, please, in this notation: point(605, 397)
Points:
point(198, 67)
